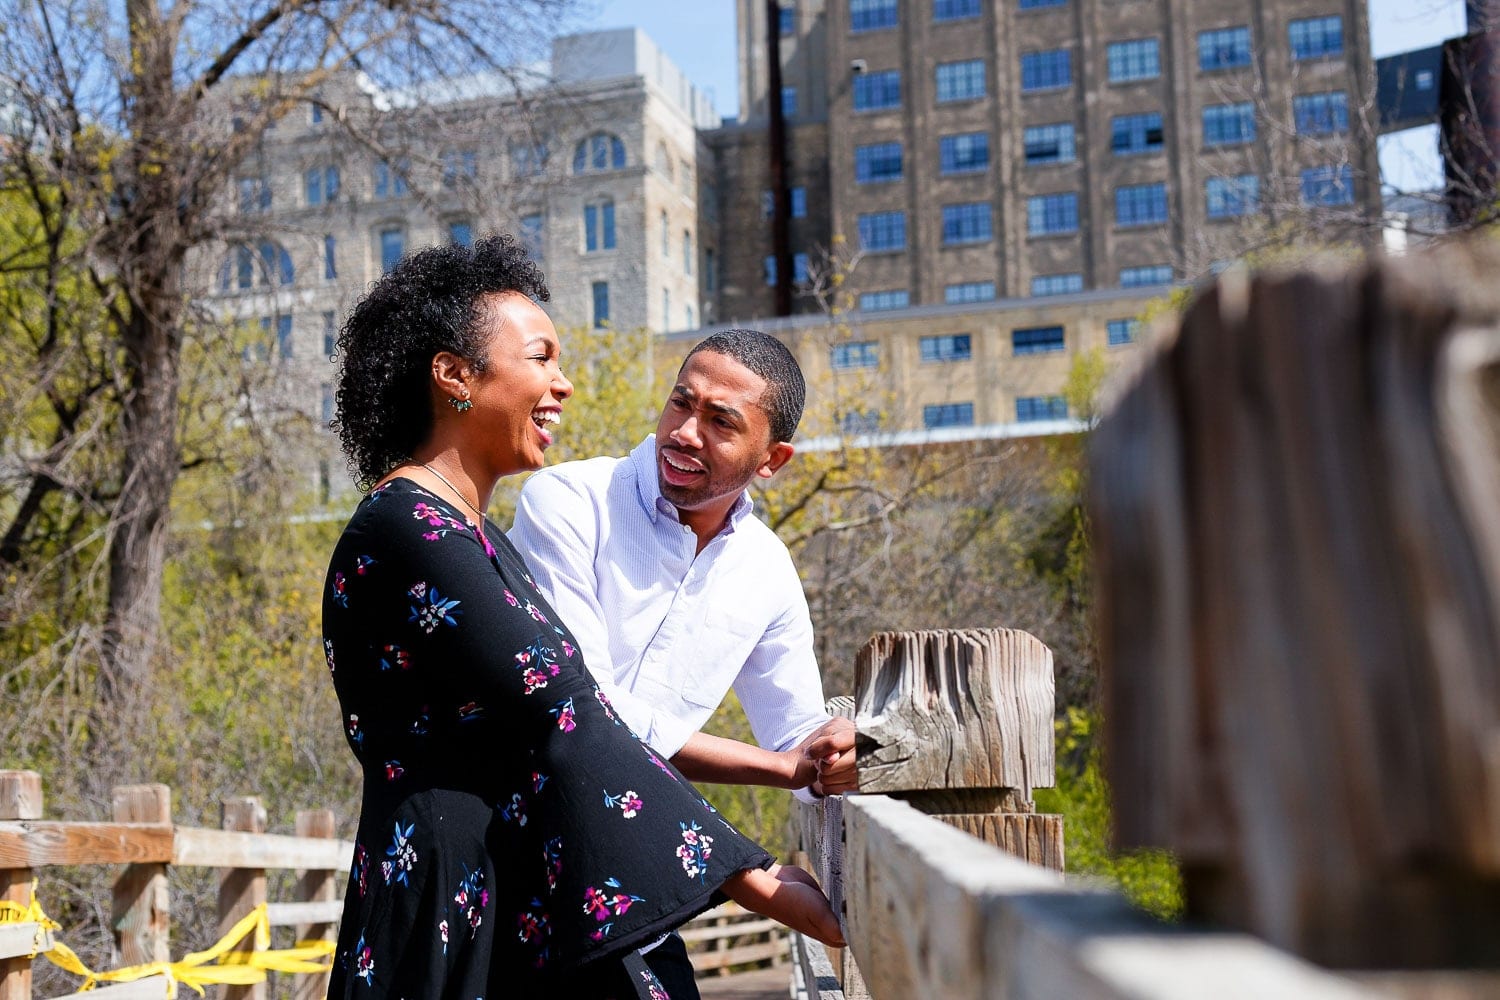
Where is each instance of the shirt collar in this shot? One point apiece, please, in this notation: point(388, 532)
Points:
point(648, 489)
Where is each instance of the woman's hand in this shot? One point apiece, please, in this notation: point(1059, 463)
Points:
point(790, 895)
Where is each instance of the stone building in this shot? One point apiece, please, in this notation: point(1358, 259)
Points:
point(1011, 169)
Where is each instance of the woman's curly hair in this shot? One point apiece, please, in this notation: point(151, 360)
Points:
point(429, 302)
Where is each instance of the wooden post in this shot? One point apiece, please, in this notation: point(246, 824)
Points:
point(315, 885)
point(141, 915)
point(242, 889)
point(959, 724)
point(20, 798)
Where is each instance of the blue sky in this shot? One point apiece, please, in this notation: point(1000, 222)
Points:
point(698, 35)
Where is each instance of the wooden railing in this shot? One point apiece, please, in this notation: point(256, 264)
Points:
point(142, 838)
point(729, 937)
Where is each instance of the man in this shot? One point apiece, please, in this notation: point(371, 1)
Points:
point(676, 592)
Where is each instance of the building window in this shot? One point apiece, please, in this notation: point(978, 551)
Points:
point(946, 347)
point(315, 111)
point(255, 195)
point(461, 231)
point(1037, 340)
point(948, 415)
point(283, 334)
point(330, 334)
point(710, 271)
point(528, 159)
point(789, 102)
point(601, 303)
point(855, 354)
point(1139, 59)
point(390, 179)
point(599, 226)
point(321, 185)
point(260, 266)
point(666, 307)
point(1056, 284)
point(666, 235)
point(1228, 124)
point(532, 232)
point(330, 258)
point(967, 223)
point(879, 301)
point(1049, 214)
point(1232, 197)
point(1030, 409)
point(459, 164)
point(1224, 48)
point(857, 422)
point(954, 10)
point(786, 18)
point(871, 15)
point(882, 231)
point(799, 269)
point(392, 246)
point(968, 153)
point(688, 317)
point(1150, 274)
point(1122, 331)
point(1321, 114)
point(877, 91)
point(877, 163)
point(1037, 4)
point(1049, 144)
point(1046, 70)
point(1131, 134)
point(1328, 186)
point(326, 394)
point(960, 81)
point(1315, 37)
point(799, 202)
point(1140, 204)
point(600, 151)
point(969, 291)
point(687, 252)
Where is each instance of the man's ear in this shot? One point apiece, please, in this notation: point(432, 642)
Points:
point(779, 455)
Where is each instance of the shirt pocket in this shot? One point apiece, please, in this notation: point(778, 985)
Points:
point(712, 658)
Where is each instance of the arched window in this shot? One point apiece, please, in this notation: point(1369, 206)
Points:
point(262, 266)
point(600, 151)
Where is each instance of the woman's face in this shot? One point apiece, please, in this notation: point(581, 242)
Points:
point(518, 398)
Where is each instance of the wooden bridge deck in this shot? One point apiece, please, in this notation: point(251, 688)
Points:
point(760, 984)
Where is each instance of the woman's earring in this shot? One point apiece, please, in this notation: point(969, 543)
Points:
point(461, 405)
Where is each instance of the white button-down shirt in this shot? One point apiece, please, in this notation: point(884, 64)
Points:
point(666, 630)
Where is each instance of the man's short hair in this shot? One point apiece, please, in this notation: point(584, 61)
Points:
point(763, 354)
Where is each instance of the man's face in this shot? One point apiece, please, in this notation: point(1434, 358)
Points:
point(714, 436)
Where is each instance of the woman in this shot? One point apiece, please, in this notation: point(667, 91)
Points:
point(514, 838)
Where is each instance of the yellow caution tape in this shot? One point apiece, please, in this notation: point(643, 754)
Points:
point(197, 970)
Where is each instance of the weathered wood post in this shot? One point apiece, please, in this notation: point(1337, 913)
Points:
point(242, 889)
point(315, 885)
point(1296, 514)
point(20, 798)
point(141, 914)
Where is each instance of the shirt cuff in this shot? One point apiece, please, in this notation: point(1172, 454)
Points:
point(668, 735)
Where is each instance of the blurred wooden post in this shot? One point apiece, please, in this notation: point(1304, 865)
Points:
point(20, 798)
point(141, 914)
point(315, 885)
point(1296, 529)
point(242, 889)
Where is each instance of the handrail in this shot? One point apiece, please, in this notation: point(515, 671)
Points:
point(36, 844)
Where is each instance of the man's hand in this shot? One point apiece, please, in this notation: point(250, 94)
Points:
point(830, 748)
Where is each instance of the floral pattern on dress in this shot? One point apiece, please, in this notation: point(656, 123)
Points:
point(328, 655)
point(514, 811)
point(654, 989)
point(534, 927)
point(563, 712)
point(694, 850)
point(628, 803)
point(538, 665)
point(394, 656)
point(430, 609)
point(364, 962)
point(340, 590)
point(472, 898)
point(552, 855)
point(360, 873)
point(602, 904)
point(401, 857)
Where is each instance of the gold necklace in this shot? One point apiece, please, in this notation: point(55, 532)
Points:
point(455, 489)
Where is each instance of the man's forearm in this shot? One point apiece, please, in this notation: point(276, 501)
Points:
point(730, 762)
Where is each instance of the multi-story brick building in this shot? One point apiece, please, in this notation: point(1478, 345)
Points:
point(1003, 167)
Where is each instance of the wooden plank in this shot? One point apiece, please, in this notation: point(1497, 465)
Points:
point(742, 928)
point(952, 709)
point(817, 980)
point(40, 843)
point(743, 954)
point(318, 894)
point(242, 889)
point(150, 988)
point(320, 912)
point(141, 911)
point(23, 940)
point(229, 849)
point(934, 912)
point(20, 799)
point(1033, 837)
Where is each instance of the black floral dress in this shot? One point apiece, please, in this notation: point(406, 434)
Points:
point(515, 839)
